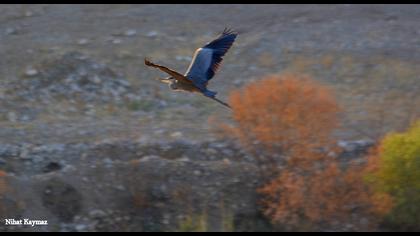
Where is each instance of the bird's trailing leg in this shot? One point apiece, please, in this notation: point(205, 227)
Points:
point(221, 102)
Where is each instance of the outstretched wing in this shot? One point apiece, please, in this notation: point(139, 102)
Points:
point(208, 58)
point(171, 72)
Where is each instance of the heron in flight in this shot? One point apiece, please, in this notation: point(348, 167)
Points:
point(203, 67)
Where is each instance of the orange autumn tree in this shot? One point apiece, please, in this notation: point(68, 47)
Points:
point(287, 114)
point(3, 190)
point(327, 198)
point(287, 121)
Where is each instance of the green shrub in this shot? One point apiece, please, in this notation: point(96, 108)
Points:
point(396, 171)
point(194, 223)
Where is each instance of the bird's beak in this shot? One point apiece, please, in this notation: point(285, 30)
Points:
point(163, 80)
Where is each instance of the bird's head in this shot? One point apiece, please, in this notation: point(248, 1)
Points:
point(169, 80)
point(173, 85)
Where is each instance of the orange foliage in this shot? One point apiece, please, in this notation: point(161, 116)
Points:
point(284, 114)
point(3, 185)
point(295, 117)
point(3, 190)
point(328, 196)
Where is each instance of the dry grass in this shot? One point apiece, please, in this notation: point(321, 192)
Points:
point(266, 59)
point(378, 93)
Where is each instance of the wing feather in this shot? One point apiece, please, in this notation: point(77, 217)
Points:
point(207, 59)
point(166, 70)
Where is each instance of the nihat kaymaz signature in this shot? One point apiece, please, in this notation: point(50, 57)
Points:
point(25, 222)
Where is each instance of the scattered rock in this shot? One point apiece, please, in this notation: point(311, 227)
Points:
point(116, 41)
point(72, 76)
point(355, 146)
point(108, 162)
point(11, 116)
point(7, 150)
point(28, 13)
point(80, 227)
point(37, 159)
point(97, 213)
point(11, 31)
point(121, 188)
point(130, 32)
point(176, 134)
point(83, 41)
point(152, 34)
point(31, 72)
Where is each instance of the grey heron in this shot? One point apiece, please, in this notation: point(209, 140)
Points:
point(204, 65)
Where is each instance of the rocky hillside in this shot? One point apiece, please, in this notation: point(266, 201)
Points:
point(91, 142)
point(127, 186)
